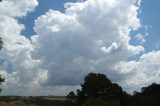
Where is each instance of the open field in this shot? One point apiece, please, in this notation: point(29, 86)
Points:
point(56, 99)
point(31, 101)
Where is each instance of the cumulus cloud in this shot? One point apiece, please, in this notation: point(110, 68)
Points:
point(90, 36)
point(17, 65)
point(17, 8)
point(111, 48)
point(142, 72)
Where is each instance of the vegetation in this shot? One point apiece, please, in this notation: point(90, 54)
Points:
point(98, 90)
point(99, 102)
point(1, 79)
point(1, 42)
point(29, 101)
point(55, 99)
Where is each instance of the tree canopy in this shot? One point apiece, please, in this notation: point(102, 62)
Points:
point(1, 43)
point(1, 80)
point(98, 90)
point(97, 86)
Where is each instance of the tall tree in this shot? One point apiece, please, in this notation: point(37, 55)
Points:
point(1, 80)
point(98, 86)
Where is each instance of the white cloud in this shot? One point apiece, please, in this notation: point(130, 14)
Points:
point(90, 36)
point(140, 38)
point(17, 65)
point(17, 8)
point(142, 72)
point(111, 48)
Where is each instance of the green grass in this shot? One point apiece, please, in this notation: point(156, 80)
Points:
point(56, 99)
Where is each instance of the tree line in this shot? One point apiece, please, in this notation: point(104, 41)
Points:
point(98, 90)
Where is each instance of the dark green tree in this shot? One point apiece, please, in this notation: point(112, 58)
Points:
point(1, 45)
point(71, 99)
point(1, 80)
point(149, 96)
point(98, 86)
point(71, 96)
point(98, 90)
point(153, 89)
point(99, 102)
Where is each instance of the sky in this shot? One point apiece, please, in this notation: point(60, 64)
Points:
point(50, 45)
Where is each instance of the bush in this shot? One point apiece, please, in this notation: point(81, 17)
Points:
point(99, 102)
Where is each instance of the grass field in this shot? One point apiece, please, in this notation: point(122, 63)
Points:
point(32, 101)
point(56, 99)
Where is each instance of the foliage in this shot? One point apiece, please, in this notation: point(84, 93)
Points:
point(1, 42)
point(99, 102)
point(1, 80)
point(71, 96)
point(98, 90)
point(149, 96)
point(97, 86)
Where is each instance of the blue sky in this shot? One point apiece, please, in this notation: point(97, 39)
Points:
point(42, 8)
point(91, 36)
point(150, 16)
